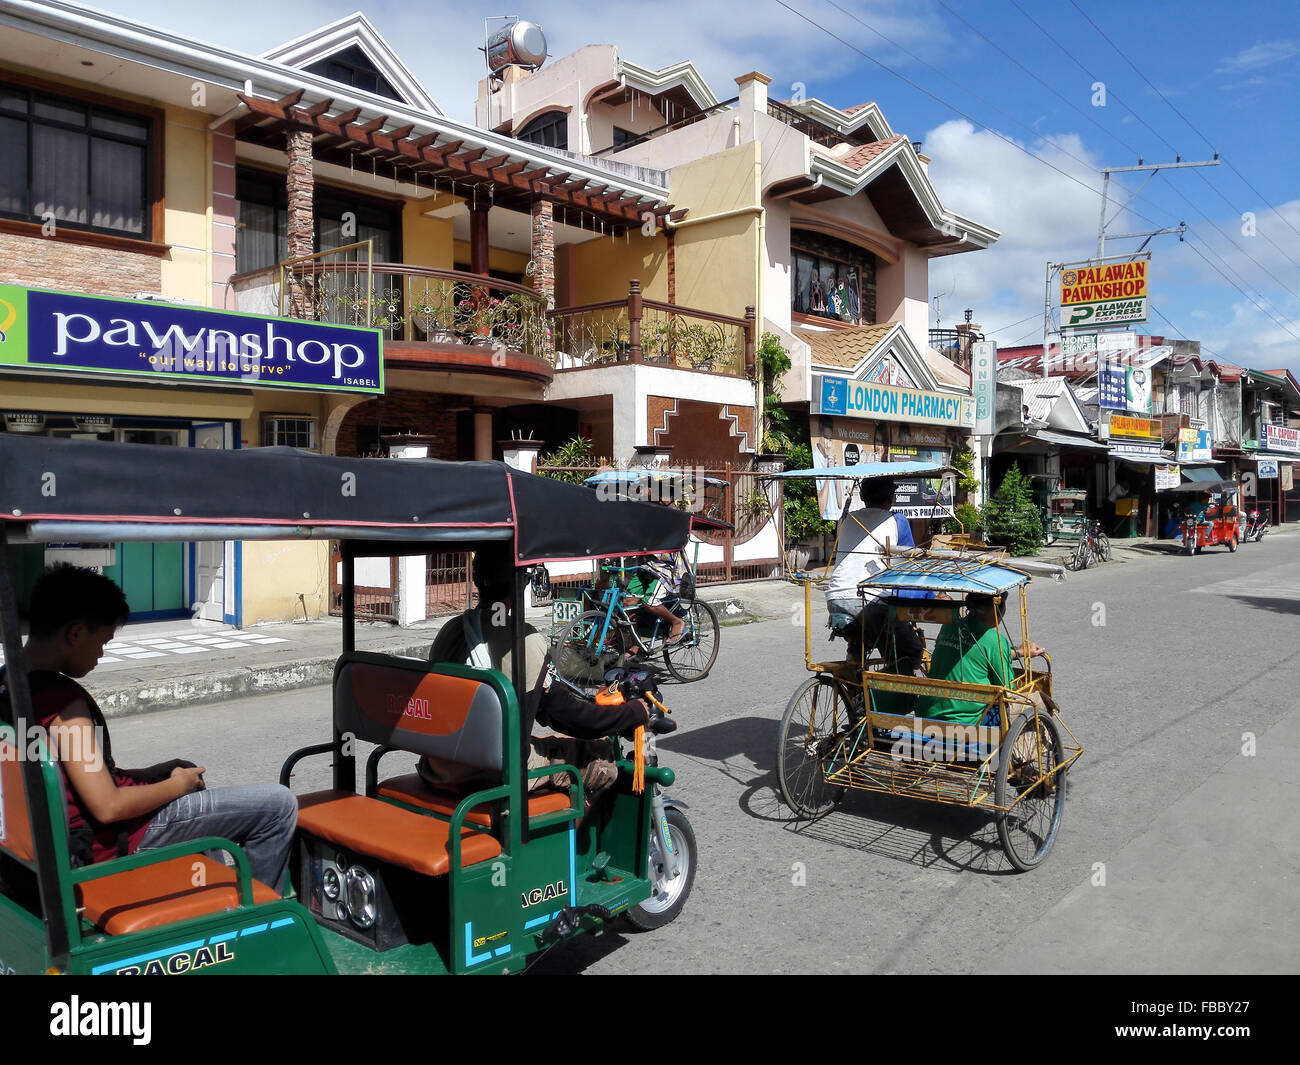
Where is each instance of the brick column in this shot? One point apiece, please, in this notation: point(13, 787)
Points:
point(544, 251)
point(671, 237)
point(299, 187)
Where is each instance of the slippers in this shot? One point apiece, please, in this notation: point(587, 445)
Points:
point(674, 641)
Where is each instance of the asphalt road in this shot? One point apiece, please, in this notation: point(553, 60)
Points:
point(1178, 851)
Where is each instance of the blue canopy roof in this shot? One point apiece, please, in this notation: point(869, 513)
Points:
point(869, 470)
point(948, 575)
point(636, 476)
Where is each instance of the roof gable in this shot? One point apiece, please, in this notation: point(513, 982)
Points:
point(883, 353)
point(354, 41)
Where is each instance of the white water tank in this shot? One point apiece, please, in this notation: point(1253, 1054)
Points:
point(520, 44)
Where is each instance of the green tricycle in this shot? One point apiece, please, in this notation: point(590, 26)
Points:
point(389, 875)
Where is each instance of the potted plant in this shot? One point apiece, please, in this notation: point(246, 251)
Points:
point(480, 311)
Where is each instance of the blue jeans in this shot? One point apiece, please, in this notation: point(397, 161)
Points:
point(259, 817)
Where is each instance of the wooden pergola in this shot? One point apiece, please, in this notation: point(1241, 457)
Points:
point(435, 159)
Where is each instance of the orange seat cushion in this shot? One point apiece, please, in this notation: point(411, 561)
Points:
point(160, 894)
point(412, 789)
point(380, 830)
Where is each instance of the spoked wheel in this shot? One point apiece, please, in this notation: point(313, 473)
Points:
point(580, 657)
point(1081, 558)
point(667, 897)
point(815, 720)
point(1103, 547)
point(693, 657)
point(1028, 830)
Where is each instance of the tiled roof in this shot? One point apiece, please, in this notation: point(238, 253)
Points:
point(843, 347)
point(857, 107)
point(944, 369)
point(859, 157)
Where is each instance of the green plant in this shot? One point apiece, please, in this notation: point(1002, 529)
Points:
point(773, 361)
point(803, 517)
point(1011, 517)
point(966, 519)
point(572, 453)
point(963, 460)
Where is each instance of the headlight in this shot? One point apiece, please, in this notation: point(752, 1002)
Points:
point(359, 887)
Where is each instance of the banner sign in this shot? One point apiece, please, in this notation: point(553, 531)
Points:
point(1094, 315)
point(863, 399)
point(1139, 428)
point(1280, 438)
point(1104, 283)
point(984, 382)
point(63, 332)
point(1167, 477)
point(1266, 468)
point(1149, 451)
point(1076, 344)
point(1112, 387)
point(1137, 389)
point(1195, 445)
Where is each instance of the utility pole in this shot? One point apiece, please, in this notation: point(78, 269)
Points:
point(1154, 169)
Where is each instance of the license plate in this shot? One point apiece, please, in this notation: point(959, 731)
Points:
point(565, 610)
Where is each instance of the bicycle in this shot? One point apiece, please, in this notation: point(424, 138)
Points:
point(1093, 546)
point(608, 637)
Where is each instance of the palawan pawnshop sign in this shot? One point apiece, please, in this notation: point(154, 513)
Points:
point(64, 332)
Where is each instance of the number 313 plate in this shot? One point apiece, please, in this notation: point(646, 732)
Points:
point(565, 610)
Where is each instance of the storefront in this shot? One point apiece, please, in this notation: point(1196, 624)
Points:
point(159, 375)
point(1275, 464)
point(1136, 450)
point(856, 422)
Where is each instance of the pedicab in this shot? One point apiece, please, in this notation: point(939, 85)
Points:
point(1216, 522)
point(387, 874)
point(859, 724)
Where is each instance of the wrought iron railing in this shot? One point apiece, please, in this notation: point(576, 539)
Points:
point(638, 330)
point(816, 130)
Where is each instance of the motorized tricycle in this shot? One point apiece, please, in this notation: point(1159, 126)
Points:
point(388, 874)
point(863, 724)
point(1213, 519)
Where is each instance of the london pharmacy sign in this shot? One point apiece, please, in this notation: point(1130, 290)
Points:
point(889, 403)
point(66, 333)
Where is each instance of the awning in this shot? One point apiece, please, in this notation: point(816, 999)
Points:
point(1201, 474)
point(1145, 460)
point(1067, 440)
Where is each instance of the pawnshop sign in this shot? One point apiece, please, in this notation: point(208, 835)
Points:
point(60, 331)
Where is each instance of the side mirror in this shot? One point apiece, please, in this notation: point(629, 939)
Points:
point(541, 582)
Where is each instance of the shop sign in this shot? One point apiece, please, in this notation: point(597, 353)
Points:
point(1137, 389)
point(1195, 445)
point(1280, 438)
point(1112, 387)
point(1138, 428)
point(1167, 477)
point(865, 399)
point(22, 422)
point(1266, 468)
point(92, 423)
point(1136, 450)
point(984, 382)
point(1104, 283)
point(1095, 315)
point(64, 332)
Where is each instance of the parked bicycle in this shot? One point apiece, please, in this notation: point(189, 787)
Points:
point(1093, 546)
point(615, 634)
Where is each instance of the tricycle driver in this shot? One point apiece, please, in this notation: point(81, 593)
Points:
point(113, 812)
point(481, 637)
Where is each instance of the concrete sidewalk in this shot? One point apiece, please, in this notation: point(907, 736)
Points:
point(163, 665)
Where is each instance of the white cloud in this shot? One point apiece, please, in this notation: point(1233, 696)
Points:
point(1258, 56)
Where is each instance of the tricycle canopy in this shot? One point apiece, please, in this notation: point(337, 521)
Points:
point(54, 490)
point(1197, 487)
point(867, 471)
point(951, 575)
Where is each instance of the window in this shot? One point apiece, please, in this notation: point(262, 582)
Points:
point(832, 279)
point(262, 222)
point(624, 136)
point(74, 163)
point(353, 67)
point(551, 130)
point(288, 430)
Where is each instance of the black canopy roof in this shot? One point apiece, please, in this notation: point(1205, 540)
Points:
point(99, 492)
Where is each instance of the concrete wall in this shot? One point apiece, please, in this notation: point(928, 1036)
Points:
point(903, 294)
point(276, 572)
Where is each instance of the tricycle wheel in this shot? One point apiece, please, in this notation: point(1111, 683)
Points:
point(580, 656)
point(1232, 545)
point(693, 657)
point(1028, 830)
point(815, 720)
point(667, 897)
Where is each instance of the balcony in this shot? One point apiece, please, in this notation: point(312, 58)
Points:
point(452, 320)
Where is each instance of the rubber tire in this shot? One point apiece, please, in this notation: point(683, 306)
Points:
point(664, 911)
point(1232, 545)
point(1103, 547)
point(793, 758)
point(1002, 791)
point(702, 616)
point(577, 665)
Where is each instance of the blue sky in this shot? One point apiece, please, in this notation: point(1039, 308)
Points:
point(1231, 71)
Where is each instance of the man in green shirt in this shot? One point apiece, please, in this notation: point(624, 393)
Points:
point(971, 650)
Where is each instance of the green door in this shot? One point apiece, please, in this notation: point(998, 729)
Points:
point(152, 576)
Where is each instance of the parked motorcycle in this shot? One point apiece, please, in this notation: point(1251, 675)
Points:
point(1256, 526)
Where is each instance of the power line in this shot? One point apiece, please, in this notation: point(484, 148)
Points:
point(1210, 262)
point(1186, 120)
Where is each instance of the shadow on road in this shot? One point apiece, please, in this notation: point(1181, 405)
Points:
point(753, 738)
point(1263, 602)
